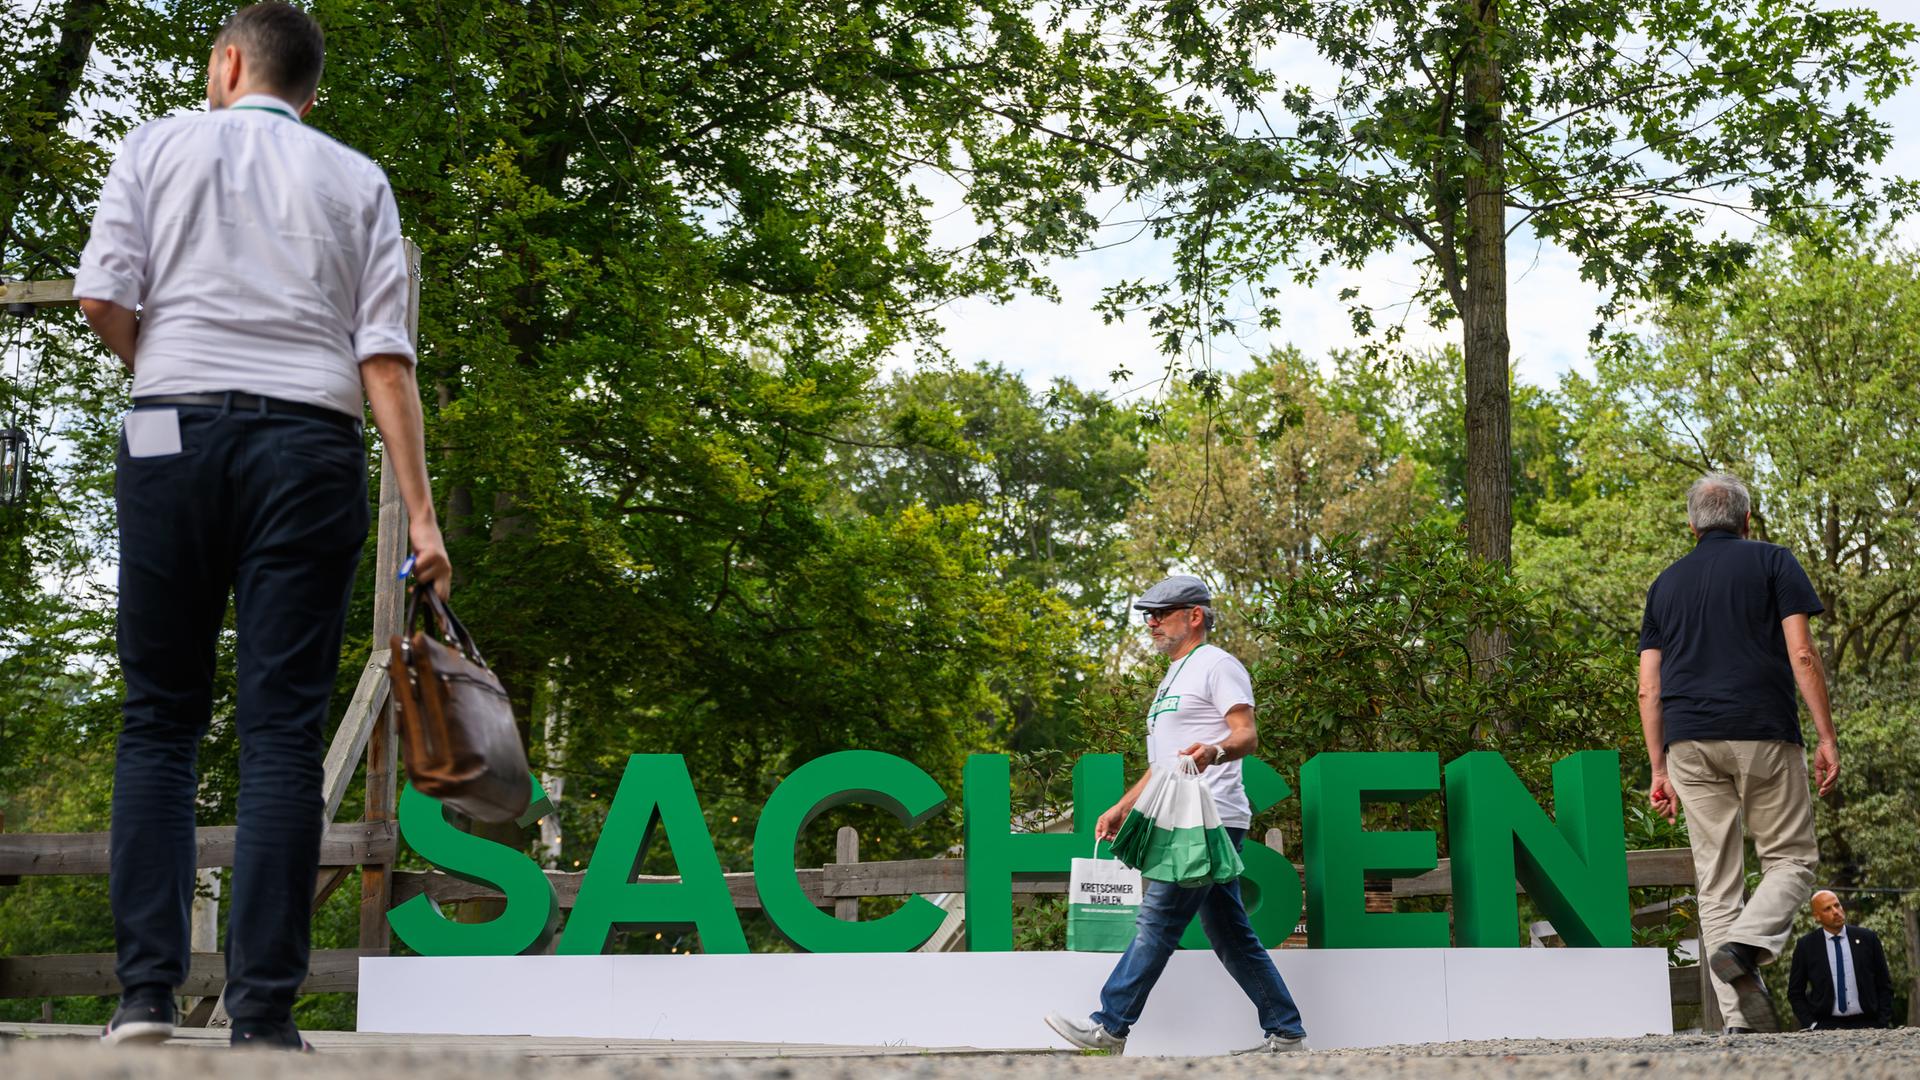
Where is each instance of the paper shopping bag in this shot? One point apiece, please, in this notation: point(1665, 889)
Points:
point(1103, 897)
point(1176, 836)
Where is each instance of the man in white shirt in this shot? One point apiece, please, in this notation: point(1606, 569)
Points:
point(250, 272)
point(1839, 977)
point(1202, 709)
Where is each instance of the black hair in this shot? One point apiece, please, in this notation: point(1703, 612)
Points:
point(283, 44)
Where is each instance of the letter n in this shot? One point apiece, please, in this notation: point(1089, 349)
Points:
point(1575, 869)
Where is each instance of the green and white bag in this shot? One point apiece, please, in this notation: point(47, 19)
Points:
point(1173, 833)
point(1103, 898)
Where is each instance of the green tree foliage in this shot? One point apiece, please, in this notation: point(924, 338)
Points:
point(1053, 470)
point(1609, 128)
point(1801, 377)
point(1051, 475)
point(1413, 406)
point(1252, 476)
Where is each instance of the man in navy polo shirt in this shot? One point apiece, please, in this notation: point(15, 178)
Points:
point(1723, 645)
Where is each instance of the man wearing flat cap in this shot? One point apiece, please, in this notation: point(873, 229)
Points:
point(1203, 709)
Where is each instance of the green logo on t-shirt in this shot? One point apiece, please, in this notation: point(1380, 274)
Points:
point(1163, 704)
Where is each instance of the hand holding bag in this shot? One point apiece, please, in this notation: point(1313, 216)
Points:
point(457, 731)
point(1173, 833)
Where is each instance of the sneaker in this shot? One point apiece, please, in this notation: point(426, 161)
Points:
point(1276, 1044)
point(267, 1035)
point(1087, 1034)
point(1733, 963)
point(144, 1017)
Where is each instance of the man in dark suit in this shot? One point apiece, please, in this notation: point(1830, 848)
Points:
point(1839, 977)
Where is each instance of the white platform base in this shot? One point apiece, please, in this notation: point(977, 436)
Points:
point(1348, 997)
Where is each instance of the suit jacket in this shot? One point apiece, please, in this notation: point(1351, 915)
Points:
point(1810, 982)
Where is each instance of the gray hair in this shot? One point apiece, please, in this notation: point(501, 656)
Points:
point(1208, 617)
point(1718, 501)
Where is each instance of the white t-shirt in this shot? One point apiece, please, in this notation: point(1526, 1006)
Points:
point(1190, 707)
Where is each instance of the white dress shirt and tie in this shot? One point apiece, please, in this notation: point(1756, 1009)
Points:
point(250, 270)
point(1846, 992)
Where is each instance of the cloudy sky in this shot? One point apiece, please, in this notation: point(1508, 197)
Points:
point(1551, 309)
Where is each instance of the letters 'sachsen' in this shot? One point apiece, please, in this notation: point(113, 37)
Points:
point(1573, 864)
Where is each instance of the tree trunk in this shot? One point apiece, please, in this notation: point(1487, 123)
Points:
point(1488, 405)
point(52, 84)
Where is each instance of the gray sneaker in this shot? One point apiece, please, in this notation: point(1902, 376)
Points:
point(1087, 1034)
point(1276, 1044)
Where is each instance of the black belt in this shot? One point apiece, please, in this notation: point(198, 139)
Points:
point(235, 401)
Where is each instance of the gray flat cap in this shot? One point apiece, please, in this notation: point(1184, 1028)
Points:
point(1180, 590)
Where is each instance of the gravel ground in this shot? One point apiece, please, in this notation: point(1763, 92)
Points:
point(1865, 1055)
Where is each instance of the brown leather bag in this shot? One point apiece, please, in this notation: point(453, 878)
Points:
point(456, 726)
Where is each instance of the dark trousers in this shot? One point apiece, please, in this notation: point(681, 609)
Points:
point(272, 508)
point(1831, 1023)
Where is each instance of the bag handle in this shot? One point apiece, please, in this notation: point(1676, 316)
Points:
point(452, 630)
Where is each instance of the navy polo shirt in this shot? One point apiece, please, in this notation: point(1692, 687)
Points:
point(1715, 617)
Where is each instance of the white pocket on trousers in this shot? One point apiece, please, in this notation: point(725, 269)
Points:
point(152, 432)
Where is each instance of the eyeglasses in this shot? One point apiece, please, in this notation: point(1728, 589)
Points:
point(1160, 614)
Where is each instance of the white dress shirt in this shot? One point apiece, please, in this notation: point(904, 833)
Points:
point(1852, 984)
point(263, 256)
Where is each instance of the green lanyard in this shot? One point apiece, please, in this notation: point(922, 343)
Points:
point(266, 108)
point(1168, 685)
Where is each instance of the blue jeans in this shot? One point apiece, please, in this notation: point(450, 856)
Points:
point(1165, 913)
point(271, 508)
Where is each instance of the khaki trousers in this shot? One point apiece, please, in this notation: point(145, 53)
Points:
point(1764, 782)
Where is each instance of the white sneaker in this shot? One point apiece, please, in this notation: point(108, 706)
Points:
point(1276, 1044)
point(1087, 1034)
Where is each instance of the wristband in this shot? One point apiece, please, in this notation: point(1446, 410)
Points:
point(1219, 752)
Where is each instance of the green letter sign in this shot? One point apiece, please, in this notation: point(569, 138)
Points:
point(995, 853)
point(531, 907)
point(851, 776)
point(654, 789)
point(1573, 865)
point(1576, 869)
point(1340, 854)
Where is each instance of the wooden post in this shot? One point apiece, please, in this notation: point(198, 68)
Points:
point(1710, 1019)
point(1913, 966)
point(846, 850)
point(389, 611)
